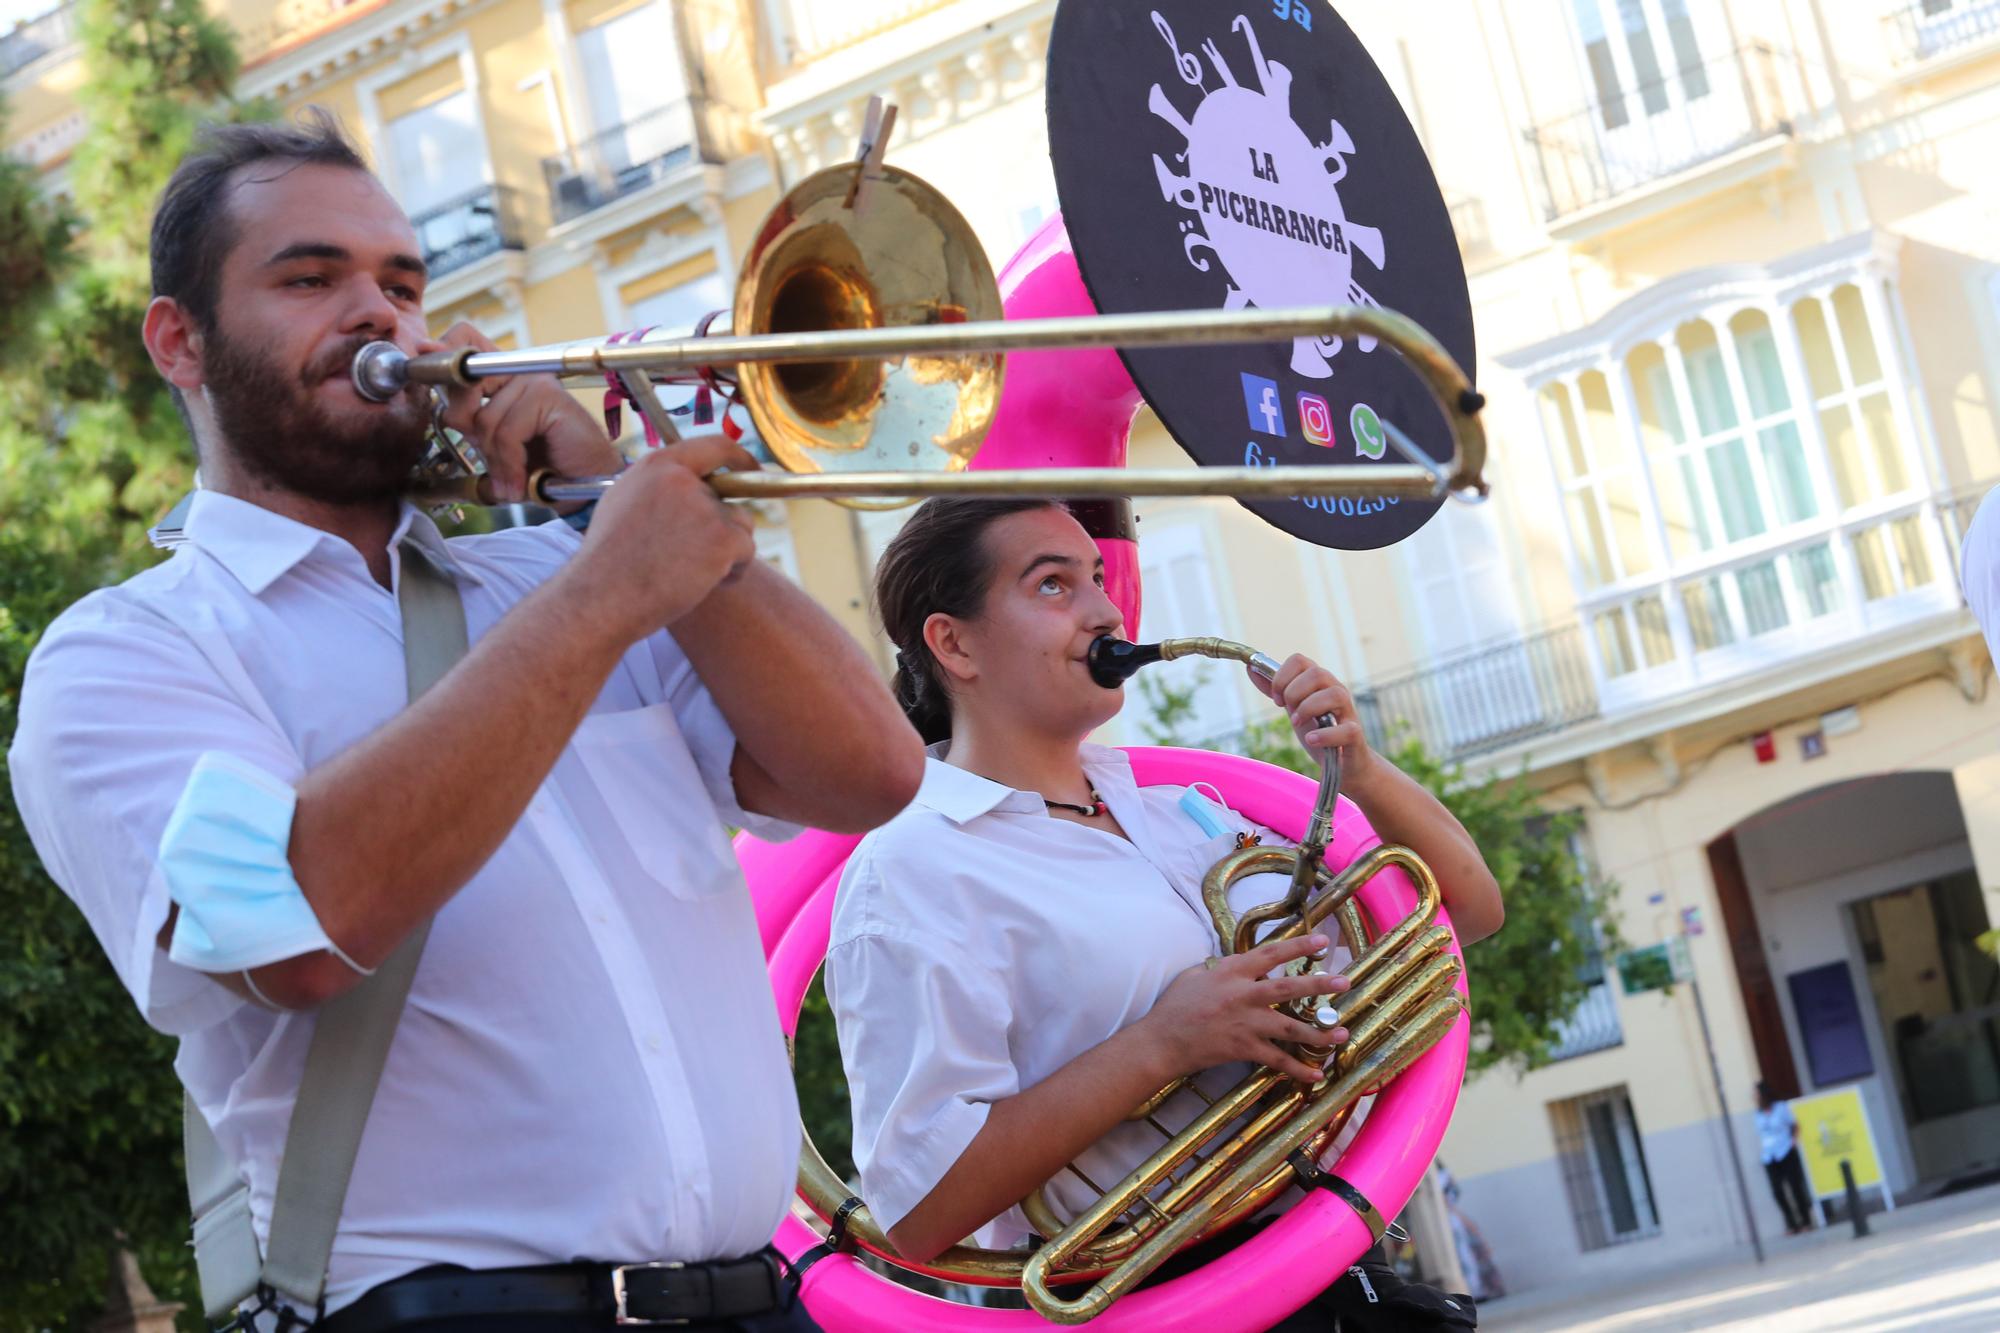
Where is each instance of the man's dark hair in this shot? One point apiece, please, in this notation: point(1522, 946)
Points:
point(193, 231)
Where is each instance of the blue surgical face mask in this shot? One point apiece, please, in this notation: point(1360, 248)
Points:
point(1205, 813)
point(225, 857)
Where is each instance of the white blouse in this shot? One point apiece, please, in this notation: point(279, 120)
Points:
point(979, 945)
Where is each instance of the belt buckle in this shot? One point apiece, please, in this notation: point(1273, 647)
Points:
point(619, 1316)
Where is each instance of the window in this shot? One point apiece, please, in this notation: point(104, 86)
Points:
point(1601, 486)
point(439, 152)
point(1850, 396)
point(1482, 684)
point(631, 67)
point(1594, 1025)
point(437, 157)
point(1623, 45)
point(1179, 600)
point(675, 311)
point(1604, 1168)
point(1743, 474)
point(680, 307)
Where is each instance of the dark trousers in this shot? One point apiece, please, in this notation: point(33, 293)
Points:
point(1788, 1187)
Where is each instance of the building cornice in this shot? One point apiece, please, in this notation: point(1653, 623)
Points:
point(500, 275)
point(345, 41)
point(1768, 157)
point(1687, 710)
point(1661, 306)
point(939, 69)
point(700, 188)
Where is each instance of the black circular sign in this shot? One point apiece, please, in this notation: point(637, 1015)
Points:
point(1213, 156)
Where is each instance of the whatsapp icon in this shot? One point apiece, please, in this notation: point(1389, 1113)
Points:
point(1369, 440)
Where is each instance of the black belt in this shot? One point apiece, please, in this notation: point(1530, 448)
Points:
point(623, 1294)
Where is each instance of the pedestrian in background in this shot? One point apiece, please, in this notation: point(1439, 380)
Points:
point(1778, 1144)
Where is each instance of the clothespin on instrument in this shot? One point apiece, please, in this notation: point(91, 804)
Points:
point(876, 126)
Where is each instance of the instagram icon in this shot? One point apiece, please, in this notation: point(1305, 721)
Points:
point(1315, 420)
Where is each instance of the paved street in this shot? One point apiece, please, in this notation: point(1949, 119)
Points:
point(1933, 1267)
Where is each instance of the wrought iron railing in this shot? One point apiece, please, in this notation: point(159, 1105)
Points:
point(1688, 115)
point(28, 42)
point(461, 231)
point(1497, 695)
point(1515, 691)
point(1925, 28)
point(1592, 1026)
point(622, 160)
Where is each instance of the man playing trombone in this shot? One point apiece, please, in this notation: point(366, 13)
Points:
point(216, 761)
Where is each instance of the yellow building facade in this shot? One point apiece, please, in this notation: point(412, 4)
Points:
point(1735, 271)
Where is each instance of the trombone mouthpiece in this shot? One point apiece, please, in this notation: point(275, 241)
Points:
point(381, 371)
point(1113, 661)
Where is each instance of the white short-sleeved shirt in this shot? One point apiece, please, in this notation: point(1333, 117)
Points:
point(979, 945)
point(590, 1064)
point(1979, 562)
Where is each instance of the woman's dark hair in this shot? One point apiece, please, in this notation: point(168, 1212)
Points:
point(937, 563)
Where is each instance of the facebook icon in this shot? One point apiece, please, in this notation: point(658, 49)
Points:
point(1260, 398)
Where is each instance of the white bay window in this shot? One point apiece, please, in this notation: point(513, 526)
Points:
point(1740, 481)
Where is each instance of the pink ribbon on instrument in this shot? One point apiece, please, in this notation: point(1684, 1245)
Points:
point(615, 396)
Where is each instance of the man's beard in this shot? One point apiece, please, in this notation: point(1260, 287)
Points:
point(272, 425)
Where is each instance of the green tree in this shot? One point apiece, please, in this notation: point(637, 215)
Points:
point(1169, 705)
point(91, 452)
point(823, 1105)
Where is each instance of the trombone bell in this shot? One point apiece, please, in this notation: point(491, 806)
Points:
point(895, 255)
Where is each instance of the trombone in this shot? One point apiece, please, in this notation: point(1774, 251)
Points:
point(868, 347)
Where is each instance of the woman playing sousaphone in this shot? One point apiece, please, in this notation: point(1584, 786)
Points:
point(1022, 956)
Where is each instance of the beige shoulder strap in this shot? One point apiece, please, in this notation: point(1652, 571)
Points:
point(350, 1044)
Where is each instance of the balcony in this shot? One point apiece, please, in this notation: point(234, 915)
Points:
point(1815, 590)
point(1922, 29)
point(1767, 609)
point(34, 38)
point(1593, 1026)
point(1495, 696)
point(1656, 131)
point(474, 225)
point(622, 161)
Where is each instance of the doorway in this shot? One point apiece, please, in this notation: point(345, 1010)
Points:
point(1937, 1000)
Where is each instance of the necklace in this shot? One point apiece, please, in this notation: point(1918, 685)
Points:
point(1096, 806)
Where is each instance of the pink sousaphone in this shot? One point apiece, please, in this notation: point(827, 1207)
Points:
point(1071, 409)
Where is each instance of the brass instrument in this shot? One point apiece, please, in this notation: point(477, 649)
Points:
point(868, 346)
point(1403, 1000)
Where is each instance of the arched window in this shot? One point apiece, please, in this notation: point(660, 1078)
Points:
point(1740, 481)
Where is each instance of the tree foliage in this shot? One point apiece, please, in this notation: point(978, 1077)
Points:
point(1528, 978)
point(91, 452)
point(1531, 975)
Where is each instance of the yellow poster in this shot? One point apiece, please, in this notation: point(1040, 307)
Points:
point(1834, 1126)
